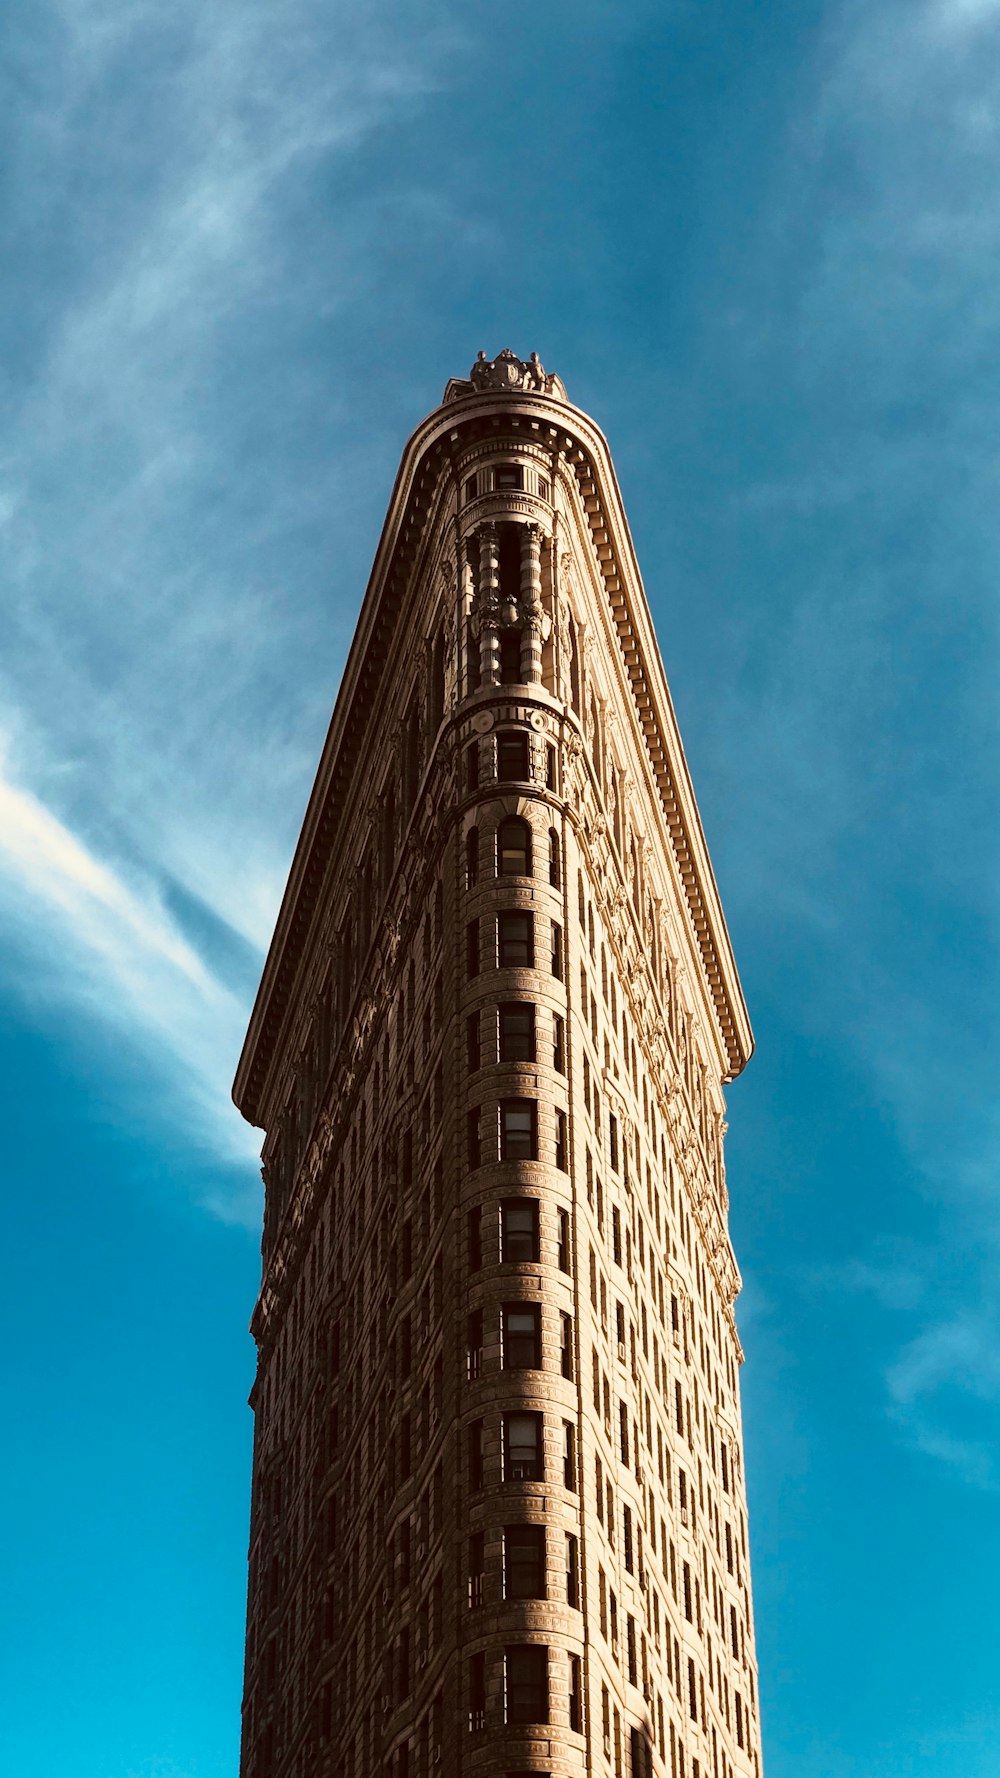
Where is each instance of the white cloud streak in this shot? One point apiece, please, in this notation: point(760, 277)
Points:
point(150, 504)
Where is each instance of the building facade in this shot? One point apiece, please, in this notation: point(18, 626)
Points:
point(498, 1516)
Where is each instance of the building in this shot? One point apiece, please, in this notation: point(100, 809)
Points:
point(499, 1522)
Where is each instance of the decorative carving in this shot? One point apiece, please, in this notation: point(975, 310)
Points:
point(508, 371)
point(508, 374)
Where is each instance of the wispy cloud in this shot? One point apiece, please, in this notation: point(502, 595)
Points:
point(154, 496)
point(109, 948)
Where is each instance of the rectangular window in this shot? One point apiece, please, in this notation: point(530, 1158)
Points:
point(470, 490)
point(507, 476)
point(472, 949)
point(519, 1240)
point(527, 1684)
point(518, 1130)
point(524, 1562)
point(569, 1457)
point(474, 1341)
point(516, 1026)
point(575, 1695)
point(515, 940)
point(566, 1345)
point(564, 1261)
point(474, 1136)
point(476, 1454)
point(521, 1330)
point(477, 1568)
point(557, 951)
point(550, 768)
point(512, 754)
point(522, 1448)
point(477, 1694)
point(633, 1671)
point(616, 1235)
point(562, 1151)
point(572, 1571)
point(627, 1555)
point(623, 1431)
point(613, 1140)
point(474, 1228)
point(473, 1050)
point(558, 1044)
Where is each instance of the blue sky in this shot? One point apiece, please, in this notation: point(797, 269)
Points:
point(244, 248)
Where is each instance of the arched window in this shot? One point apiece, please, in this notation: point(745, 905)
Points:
point(555, 873)
point(472, 858)
point(513, 848)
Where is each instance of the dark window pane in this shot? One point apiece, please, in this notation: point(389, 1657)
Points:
point(522, 1448)
point(477, 1694)
point(524, 1562)
point(512, 747)
point(522, 1339)
point(527, 1684)
point(515, 940)
point(508, 475)
point(510, 673)
point(517, 1032)
point(519, 1231)
point(476, 1454)
point(518, 1140)
point(513, 848)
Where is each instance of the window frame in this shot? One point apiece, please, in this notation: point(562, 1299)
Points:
point(529, 1037)
point(509, 825)
point(509, 1238)
point(537, 1473)
point(526, 1688)
point(506, 918)
point(509, 739)
point(518, 1144)
point(528, 1572)
point(521, 1348)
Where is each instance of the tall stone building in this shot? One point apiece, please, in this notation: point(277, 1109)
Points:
point(499, 1523)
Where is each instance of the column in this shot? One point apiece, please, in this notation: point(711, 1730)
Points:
point(531, 605)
